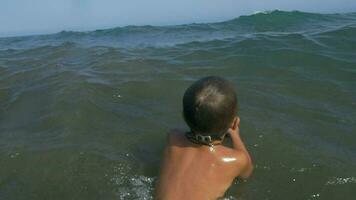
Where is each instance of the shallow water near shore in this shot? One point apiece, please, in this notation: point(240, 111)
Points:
point(83, 115)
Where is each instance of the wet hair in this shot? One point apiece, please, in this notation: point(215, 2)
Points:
point(209, 106)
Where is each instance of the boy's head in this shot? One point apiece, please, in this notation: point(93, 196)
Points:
point(210, 106)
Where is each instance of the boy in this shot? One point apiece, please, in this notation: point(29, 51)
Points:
point(196, 165)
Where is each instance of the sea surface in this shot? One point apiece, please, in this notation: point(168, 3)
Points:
point(84, 115)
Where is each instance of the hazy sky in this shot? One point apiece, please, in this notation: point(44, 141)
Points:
point(22, 17)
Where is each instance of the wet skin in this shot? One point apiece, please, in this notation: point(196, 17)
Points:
point(192, 171)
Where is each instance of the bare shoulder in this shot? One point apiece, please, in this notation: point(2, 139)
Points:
point(243, 164)
point(239, 161)
point(241, 157)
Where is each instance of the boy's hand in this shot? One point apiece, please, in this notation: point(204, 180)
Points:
point(232, 131)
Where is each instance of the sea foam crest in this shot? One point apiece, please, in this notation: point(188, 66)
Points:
point(341, 181)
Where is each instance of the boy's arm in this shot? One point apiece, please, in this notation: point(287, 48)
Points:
point(247, 166)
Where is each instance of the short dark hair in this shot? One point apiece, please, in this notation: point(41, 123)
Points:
point(210, 105)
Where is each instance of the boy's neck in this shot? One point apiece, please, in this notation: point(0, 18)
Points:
point(204, 139)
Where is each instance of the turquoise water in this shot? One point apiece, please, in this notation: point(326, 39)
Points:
point(83, 115)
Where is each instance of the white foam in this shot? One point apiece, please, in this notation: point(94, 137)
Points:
point(340, 181)
point(131, 186)
point(299, 170)
point(317, 195)
point(229, 198)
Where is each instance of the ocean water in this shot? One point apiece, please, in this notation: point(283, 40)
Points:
point(83, 115)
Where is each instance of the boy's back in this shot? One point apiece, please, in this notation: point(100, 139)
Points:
point(194, 170)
